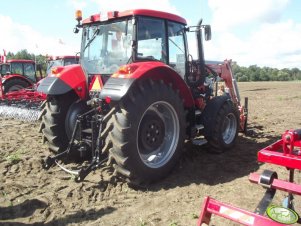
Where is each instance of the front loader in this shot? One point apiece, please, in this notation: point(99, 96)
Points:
point(136, 96)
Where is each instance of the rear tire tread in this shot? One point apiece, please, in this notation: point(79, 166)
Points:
point(122, 130)
point(53, 121)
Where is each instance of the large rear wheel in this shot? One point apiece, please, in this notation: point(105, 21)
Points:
point(148, 132)
point(15, 85)
point(53, 124)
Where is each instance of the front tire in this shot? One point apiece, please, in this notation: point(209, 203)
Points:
point(223, 124)
point(148, 132)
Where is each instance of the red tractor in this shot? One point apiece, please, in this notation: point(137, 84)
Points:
point(18, 95)
point(60, 61)
point(137, 95)
point(18, 74)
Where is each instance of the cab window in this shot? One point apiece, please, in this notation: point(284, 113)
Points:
point(17, 68)
point(4, 69)
point(151, 39)
point(29, 71)
point(176, 47)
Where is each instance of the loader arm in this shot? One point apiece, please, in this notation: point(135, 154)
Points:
point(224, 70)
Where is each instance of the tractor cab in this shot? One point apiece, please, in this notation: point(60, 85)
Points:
point(123, 38)
point(18, 74)
point(24, 68)
point(55, 61)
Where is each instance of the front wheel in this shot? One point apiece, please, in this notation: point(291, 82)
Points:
point(148, 131)
point(223, 123)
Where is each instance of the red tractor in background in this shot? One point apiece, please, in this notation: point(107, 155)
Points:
point(55, 61)
point(18, 95)
point(137, 95)
point(18, 74)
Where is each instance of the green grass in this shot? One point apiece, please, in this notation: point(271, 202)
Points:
point(280, 98)
point(6, 198)
point(4, 194)
point(142, 222)
point(14, 158)
point(194, 216)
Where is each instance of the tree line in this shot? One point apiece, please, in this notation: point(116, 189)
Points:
point(254, 73)
point(41, 60)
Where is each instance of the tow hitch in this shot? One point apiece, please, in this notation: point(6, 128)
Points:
point(79, 145)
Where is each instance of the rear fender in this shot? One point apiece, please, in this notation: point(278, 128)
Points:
point(64, 79)
point(15, 76)
point(120, 82)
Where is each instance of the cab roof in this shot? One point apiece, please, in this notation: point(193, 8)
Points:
point(19, 61)
point(62, 57)
point(134, 12)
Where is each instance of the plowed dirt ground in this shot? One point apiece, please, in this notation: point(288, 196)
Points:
point(30, 195)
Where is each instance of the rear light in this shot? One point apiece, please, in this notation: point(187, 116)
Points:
point(125, 71)
point(56, 71)
point(108, 99)
point(112, 14)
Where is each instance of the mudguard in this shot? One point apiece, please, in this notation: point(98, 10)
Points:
point(63, 80)
point(16, 76)
point(120, 82)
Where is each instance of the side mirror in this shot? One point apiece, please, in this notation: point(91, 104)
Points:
point(207, 29)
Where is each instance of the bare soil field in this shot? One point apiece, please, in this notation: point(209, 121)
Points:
point(30, 195)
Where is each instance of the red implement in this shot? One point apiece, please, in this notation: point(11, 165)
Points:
point(212, 206)
point(284, 152)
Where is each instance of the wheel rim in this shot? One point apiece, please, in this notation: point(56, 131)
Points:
point(158, 134)
point(229, 128)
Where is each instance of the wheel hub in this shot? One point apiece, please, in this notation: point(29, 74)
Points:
point(152, 132)
point(158, 134)
point(229, 128)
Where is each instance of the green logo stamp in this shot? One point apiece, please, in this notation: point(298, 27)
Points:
point(282, 215)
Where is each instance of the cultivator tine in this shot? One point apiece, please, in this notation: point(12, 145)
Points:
point(23, 114)
point(23, 104)
point(29, 112)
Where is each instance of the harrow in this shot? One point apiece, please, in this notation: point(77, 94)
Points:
point(285, 152)
point(24, 104)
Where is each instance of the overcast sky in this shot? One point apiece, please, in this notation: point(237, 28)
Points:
point(262, 32)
